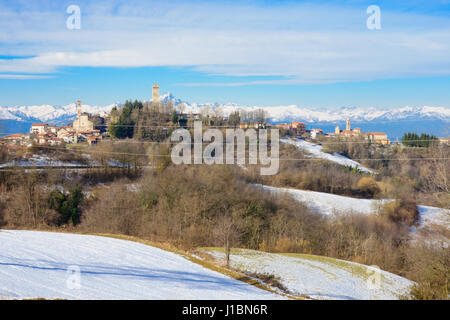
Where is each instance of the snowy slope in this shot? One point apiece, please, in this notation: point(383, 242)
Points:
point(7, 115)
point(432, 215)
point(35, 264)
point(49, 113)
point(315, 151)
point(40, 161)
point(320, 277)
point(327, 203)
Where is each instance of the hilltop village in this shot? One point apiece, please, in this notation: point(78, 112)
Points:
point(81, 130)
point(90, 129)
point(300, 129)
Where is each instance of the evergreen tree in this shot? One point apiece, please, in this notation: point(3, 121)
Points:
point(411, 139)
point(174, 117)
point(67, 205)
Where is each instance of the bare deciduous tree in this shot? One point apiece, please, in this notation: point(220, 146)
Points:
point(227, 232)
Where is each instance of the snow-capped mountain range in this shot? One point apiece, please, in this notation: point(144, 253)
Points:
point(63, 114)
point(48, 113)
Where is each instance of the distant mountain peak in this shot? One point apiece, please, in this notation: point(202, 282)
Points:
point(287, 113)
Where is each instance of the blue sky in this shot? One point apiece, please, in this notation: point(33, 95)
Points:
point(313, 54)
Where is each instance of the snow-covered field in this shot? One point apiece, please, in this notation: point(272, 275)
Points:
point(37, 160)
point(315, 151)
point(43, 264)
point(432, 215)
point(327, 203)
point(320, 277)
point(40, 161)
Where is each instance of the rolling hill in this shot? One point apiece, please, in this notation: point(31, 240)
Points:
point(44, 265)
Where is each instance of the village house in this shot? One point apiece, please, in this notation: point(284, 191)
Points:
point(377, 137)
point(64, 131)
point(315, 133)
point(298, 128)
point(284, 126)
point(17, 139)
point(94, 139)
point(69, 137)
point(52, 129)
point(37, 128)
point(254, 125)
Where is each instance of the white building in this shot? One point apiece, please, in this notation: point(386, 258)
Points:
point(37, 128)
point(316, 132)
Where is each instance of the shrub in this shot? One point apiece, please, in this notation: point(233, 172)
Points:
point(368, 186)
point(270, 279)
point(430, 269)
point(403, 211)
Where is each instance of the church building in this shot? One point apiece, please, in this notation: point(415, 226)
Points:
point(82, 122)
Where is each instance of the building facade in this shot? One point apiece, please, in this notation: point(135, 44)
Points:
point(37, 128)
point(82, 122)
point(155, 95)
point(377, 137)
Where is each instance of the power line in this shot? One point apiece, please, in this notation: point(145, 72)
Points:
point(280, 159)
point(317, 144)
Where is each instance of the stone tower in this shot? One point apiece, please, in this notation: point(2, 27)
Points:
point(79, 108)
point(337, 130)
point(155, 95)
point(82, 122)
point(347, 124)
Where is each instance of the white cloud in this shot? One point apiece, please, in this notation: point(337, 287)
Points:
point(23, 76)
point(304, 43)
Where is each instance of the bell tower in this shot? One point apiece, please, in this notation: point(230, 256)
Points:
point(79, 108)
point(155, 95)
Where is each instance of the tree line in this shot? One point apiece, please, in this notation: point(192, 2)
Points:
point(412, 139)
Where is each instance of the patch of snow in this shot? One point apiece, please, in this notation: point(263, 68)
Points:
point(432, 215)
point(37, 264)
point(315, 151)
point(327, 203)
point(321, 277)
point(40, 161)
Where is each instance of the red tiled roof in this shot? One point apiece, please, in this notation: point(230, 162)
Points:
point(15, 135)
point(39, 124)
point(376, 133)
point(52, 138)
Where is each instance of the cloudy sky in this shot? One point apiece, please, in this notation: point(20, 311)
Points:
point(313, 54)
